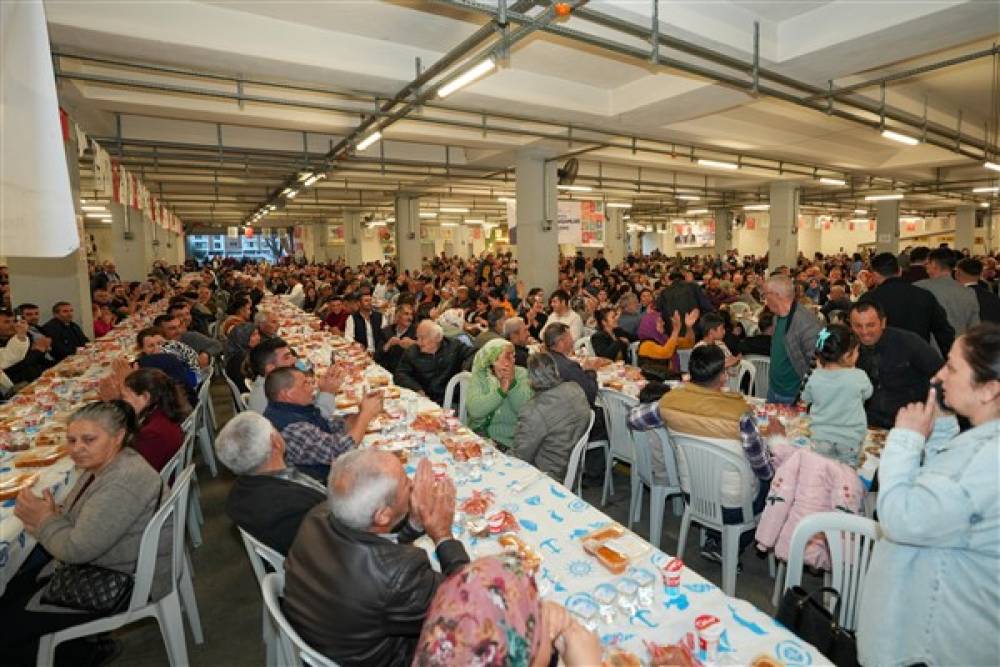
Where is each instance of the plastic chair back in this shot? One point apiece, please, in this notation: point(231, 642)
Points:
point(683, 358)
point(746, 376)
point(616, 408)
point(705, 459)
point(633, 353)
point(575, 455)
point(582, 347)
point(239, 404)
point(763, 366)
point(292, 648)
point(461, 381)
point(260, 554)
point(851, 539)
point(659, 438)
point(177, 461)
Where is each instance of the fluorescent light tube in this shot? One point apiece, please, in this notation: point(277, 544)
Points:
point(474, 221)
point(305, 175)
point(757, 207)
point(860, 211)
point(617, 205)
point(976, 190)
point(313, 178)
point(449, 224)
point(93, 208)
point(718, 164)
point(467, 77)
point(857, 220)
point(428, 214)
point(98, 215)
point(575, 188)
point(832, 181)
point(901, 138)
point(985, 204)
point(507, 200)
point(992, 165)
point(687, 197)
point(883, 197)
point(380, 223)
point(697, 211)
point(453, 209)
point(369, 140)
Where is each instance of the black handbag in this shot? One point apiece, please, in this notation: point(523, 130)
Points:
point(90, 588)
point(804, 614)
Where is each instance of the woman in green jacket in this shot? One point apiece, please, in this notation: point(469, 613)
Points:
point(497, 390)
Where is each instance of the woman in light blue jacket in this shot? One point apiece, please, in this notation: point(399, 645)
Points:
point(932, 593)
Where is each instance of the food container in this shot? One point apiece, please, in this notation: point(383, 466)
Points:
point(606, 595)
point(584, 607)
point(628, 595)
point(478, 527)
point(646, 581)
point(502, 522)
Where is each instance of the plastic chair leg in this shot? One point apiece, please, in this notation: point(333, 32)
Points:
point(46, 651)
point(683, 535)
point(657, 500)
point(609, 484)
point(635, 501)
point(190, 604)
point(168, 615)
point(194, 527)
point(205, 441)
point(730, 557)
point(779, 584)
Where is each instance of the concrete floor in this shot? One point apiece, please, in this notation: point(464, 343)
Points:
point(229, 600)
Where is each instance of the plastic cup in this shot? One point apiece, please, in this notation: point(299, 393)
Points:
point(709, 629)
point(606, 595)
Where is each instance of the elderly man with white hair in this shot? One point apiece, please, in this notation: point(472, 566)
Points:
point(356, 588)
point(516, 331)
point(269, 498)
point(793, 343)
point(427, 366)
point(267, 323)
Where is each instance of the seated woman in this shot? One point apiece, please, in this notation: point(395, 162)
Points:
point(497, 390)
point(938, 509)
point(492, 605)
point(553, 421)
point(242, 339)
point(239, 312)
point(99, 523)
point(609, 341)
point(160, 409)
point(657, 348)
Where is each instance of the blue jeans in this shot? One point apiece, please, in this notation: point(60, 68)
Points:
point(773, 397)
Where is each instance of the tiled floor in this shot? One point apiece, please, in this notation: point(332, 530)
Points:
point(229, 600)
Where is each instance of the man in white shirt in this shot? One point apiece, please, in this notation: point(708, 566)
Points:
point(297, 293)
point(561, 312)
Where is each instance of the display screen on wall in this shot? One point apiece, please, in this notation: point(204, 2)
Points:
point(694, 234)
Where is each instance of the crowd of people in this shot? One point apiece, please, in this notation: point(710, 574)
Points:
point(862, 340)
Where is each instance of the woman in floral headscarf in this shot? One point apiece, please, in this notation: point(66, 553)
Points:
point(488, 614)
point(497, 390)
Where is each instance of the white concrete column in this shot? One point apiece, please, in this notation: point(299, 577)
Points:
point(537, 229)
point(965, 228)
point(634, 242)
point(782, 242)
point(408, 253)
point(128, 242)
point(352, 238)
point(723, 231)
point(614, 236)
point(319, 236)
point(886, 226)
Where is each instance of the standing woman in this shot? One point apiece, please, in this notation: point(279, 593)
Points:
point(99, 523)
point(933, 587)
point(160, 409)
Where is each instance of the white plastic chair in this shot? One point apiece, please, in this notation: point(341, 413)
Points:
point(205, 426)
point(291, 648)
point(582, 347)
point(460, 380)
point(683, 358)
point(259, 554)
point(167, 610)
point(644, 442)
point(705, 459)
point(572, 479)
point(239, 403)
point(195, 518)
point(851, 540)
point(633, 353)
point(746, 370)
point(763, 366)
point(750, 327)
point(616, 407)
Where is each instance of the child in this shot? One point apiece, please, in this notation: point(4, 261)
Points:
point(836, 392)
point(713, 329)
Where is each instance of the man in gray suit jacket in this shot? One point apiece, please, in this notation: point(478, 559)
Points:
point(958, 301)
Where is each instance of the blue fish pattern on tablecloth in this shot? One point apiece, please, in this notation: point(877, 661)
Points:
point(749, 625)
point(555, 517)
point(528, 524)
point(556, 491)
point(679, 601)
point(792, 653)
point(615, 638)
point(580, 568)
point(642, 616)
point(578, 533)
point(699, 588)
point(578, 506)
point(550, 545)
point(533, 500)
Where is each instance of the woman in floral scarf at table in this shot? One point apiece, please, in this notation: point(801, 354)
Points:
point(489, 614)
point(497, 390)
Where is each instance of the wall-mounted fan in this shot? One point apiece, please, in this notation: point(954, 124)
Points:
point(567, 173)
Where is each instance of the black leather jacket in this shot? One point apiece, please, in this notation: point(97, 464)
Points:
point(360, 598)
point(430, 373)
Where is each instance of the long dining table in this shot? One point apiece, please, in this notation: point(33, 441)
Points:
point(627, 610)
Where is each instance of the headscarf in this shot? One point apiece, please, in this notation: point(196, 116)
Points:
point(647, 328)
point(482, 364)
point(238, 341)
point(488, 613)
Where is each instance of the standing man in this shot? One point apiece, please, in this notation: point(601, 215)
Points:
point(793, 343)
point(960, 303)
point(969, 273)
point(66, 334)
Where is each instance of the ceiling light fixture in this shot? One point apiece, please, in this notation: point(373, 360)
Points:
point(901, 138)
point(994, 188)
point(428, 214)
point(468, 77)
point(985, 204)
point(860, 211)
point(992, 165)
point(305, 175)
point(93, 208)
point(832, 181)
point(474, 221)
point(697, 211)
point(687, 197)
point(100, 216)
point(369, 140)
point(718, 164)
point(378, 223)
point(575, 188)
point(617, 205)
point(313, 178)
point(453, 209)
point(897, 195)
point(757, 207)
point(507, 200)
point(858, 220)
point(449, 224)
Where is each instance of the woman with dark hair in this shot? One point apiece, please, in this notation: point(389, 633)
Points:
point(311, 299)
point(160, 409)
point(242, 339)
point(239, 312)
point(931, 589)
point(609, 341)
point(99, 523)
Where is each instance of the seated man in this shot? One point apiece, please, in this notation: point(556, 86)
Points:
point(357, 590)
point(516, 331)
point(558, 339)
point(274, 353)
point(495, 319)
point(66, 334)
point(398, 336)
point(269, 498)
point(701, 408)
point(312, 440)
point(899, 363)
point(428, 366)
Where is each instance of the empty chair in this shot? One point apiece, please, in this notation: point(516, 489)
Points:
point(572, 480)
point(851, 539)
point(461, 381)
point(167, 610)
point(582, 347)
point(616, 408)
point(763, 366)
point(262, 558)
point(705, 462)
point(645, 443)
point(291, 649)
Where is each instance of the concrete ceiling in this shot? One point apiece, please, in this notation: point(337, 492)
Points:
point(359, 50)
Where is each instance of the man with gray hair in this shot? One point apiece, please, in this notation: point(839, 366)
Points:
point(517, 333)
point(269, 498)
point(267, 323)
point(356, 588)
point(793, 343)
point(428, 366)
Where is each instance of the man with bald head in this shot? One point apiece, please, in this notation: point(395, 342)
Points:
point(428, 366)
point(356, 589)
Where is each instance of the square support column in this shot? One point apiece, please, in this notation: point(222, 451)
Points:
point(782, 238)
point(128, 242)
point(614, 236)
point(723, 231)
point(537, 229)
point(408, 252)
point(352, 239)
point(887, 226)
point(965, 228)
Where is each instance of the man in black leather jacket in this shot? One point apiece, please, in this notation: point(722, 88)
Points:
point(427, 366)
point(356, 589)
